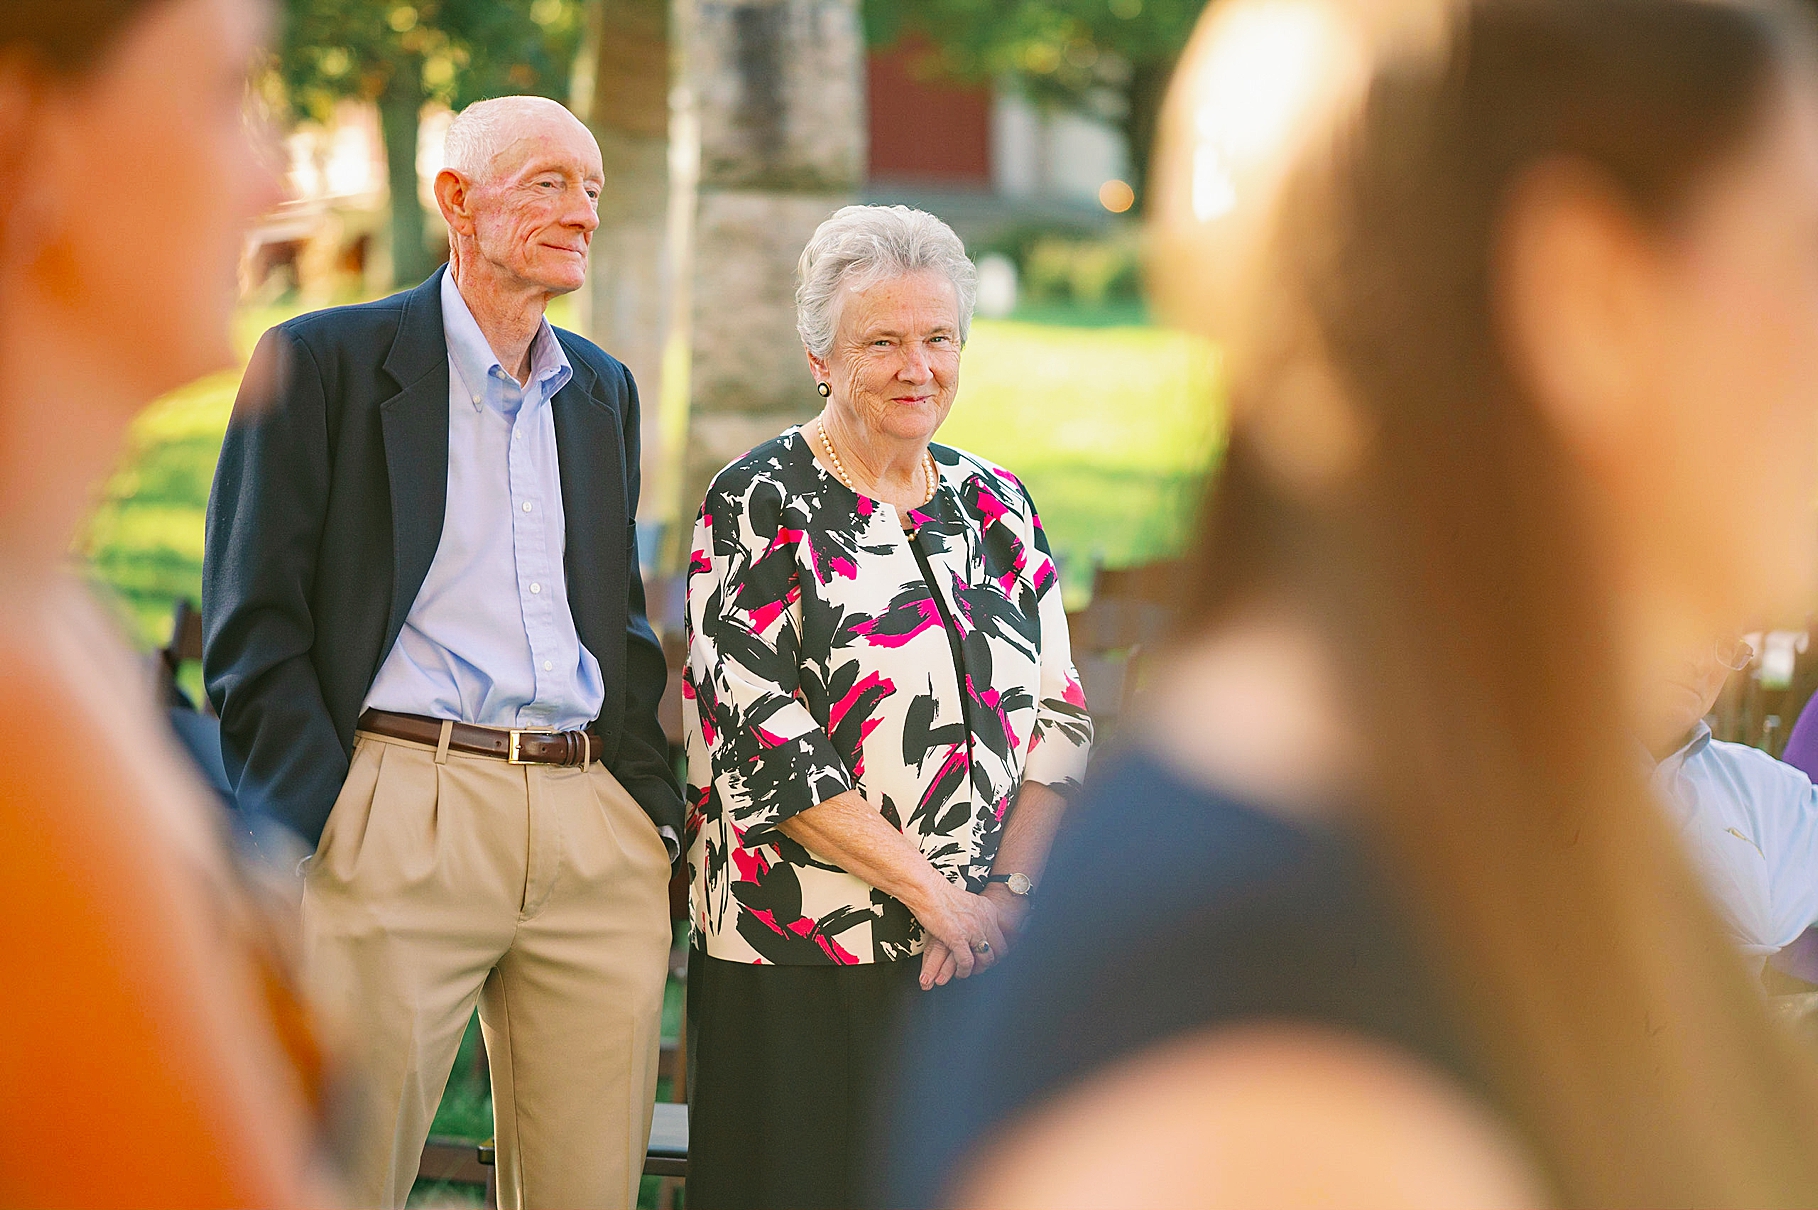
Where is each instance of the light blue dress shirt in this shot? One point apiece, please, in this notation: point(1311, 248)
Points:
point(490, 638)
point(1750, 823)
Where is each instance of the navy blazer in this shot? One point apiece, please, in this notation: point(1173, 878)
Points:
point(326, 511)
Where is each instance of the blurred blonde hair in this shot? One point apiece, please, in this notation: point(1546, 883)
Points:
point(1386, 466)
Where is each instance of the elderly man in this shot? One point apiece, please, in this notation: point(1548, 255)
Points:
point(1749, 821)
point(426, 642)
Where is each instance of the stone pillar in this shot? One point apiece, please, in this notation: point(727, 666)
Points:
point(622, 87)
point(774, 104)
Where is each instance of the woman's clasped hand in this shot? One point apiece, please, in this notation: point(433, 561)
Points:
point(966, 933)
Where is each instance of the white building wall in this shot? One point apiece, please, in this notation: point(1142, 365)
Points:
point(1059, 156)
point(1016, 146)
point(1083, 153)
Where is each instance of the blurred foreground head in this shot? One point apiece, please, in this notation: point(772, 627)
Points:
point(128, 173)
point(131, 173)
point(1521, 304)
point(156, 1053)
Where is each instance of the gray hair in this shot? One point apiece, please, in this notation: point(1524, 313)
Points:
point(863, 245)
point(484, 129)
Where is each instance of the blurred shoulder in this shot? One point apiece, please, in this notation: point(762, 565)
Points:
point(1754, 765)
point(1260, 1114)
point(355, 324)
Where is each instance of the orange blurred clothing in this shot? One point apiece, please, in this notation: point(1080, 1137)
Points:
point(151, 1054)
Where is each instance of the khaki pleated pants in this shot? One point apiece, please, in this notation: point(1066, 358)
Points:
point(542, 893)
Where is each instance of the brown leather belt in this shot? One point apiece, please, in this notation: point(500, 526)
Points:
point(515, 745)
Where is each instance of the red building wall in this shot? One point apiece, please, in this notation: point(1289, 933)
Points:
point(936, 132)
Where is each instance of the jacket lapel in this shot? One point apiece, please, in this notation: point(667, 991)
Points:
point(591, 457)
point(415, 424)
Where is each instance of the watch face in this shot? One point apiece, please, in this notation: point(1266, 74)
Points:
point(1019, 884)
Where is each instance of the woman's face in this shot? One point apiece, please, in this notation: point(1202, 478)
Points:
point(1679, 362)
point(137, 185)
point(1736, 374)
point(894, 364)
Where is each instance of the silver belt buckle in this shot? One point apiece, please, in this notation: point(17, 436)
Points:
point(517, 736)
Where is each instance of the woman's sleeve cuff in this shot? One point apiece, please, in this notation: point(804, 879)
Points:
point(782, 782)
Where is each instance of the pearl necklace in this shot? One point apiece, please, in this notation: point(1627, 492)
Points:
point(839, 468)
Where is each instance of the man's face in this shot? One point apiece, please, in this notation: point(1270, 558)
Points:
point(536, 213)
point(1684, 698)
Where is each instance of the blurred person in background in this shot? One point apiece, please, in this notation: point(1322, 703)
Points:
point(153, 1053)
point(425, 637)
point(1378, 910)
point(882, 717)
point(1750, 822)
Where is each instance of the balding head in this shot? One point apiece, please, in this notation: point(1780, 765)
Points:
point(520, 193)
point(485, 130)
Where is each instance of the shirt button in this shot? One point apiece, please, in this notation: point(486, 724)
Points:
point(548, 667)
point(536, 588)
point(526, 506)
point(515, 434)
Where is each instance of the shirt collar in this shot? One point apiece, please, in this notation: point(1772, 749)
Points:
point(1698, 740)
point(474, 362)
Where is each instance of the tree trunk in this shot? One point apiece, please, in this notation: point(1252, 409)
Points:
point(777, 98)
point(622, 92)
point(1147, 90)
point(400, 112)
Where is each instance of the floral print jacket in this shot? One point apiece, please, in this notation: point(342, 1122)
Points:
point(820, 660)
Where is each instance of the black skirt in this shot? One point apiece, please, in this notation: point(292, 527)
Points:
point(783, 1064)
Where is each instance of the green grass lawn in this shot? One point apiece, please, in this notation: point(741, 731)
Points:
point(1111, 427)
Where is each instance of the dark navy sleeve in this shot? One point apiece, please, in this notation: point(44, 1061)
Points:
point(642, 762)
point(266, 513)
point(1165, 909)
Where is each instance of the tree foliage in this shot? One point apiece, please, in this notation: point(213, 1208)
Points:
point(1112, 57)
point(402, 55)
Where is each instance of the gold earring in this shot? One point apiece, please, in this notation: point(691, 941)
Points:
point(824, 389)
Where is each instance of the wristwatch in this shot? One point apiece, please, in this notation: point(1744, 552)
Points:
point(1017, 884)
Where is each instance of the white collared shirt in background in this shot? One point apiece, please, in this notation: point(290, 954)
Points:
point(1750, 823)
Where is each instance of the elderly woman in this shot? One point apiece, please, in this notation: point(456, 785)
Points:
point(881, 713)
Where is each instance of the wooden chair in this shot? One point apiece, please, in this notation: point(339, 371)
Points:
point(669, 712)
point(1130, 612)
point(197, 729)
point(185, 645)
point(666, 603)
point(668, 1154)
point(1158, 582)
